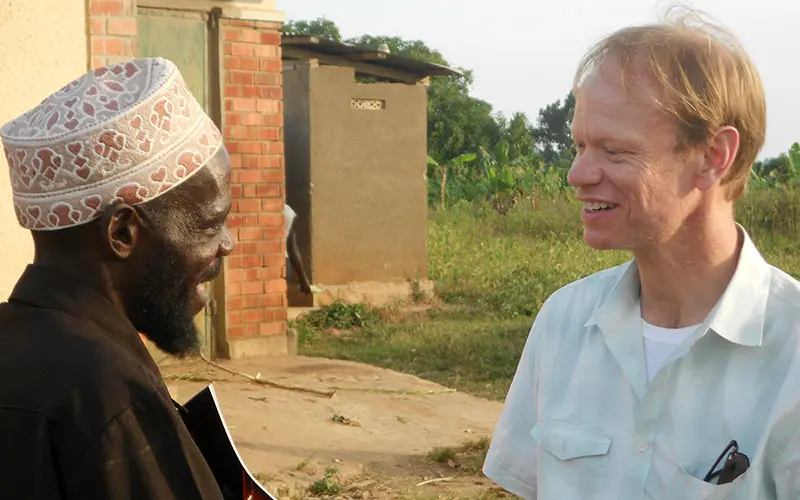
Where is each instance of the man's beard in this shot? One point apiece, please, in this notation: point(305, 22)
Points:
point(162, 313)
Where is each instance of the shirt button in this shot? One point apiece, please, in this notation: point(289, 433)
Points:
point(642, 447)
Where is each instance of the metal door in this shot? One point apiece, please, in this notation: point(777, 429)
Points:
point(182, 37)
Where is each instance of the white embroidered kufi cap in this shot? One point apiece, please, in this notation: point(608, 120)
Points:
point(123, 133)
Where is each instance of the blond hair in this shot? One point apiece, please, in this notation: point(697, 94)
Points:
point(707, 81)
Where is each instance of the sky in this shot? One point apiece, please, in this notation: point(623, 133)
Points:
point(523, 52)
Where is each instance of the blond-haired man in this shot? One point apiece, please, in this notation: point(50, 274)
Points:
point(635, 380)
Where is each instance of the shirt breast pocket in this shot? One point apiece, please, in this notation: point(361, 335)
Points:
point(572, 460)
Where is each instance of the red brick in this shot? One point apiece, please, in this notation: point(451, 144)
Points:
point(274, 147)
point(268, 105)
point(251, 330)
point(275, 286)
point(252, 274)
point(251, 301)
point(113, 46)
point(107, 8)
point(252, 260)
point(252, 147)
point(234, 289)
point(244, 104)
point(271, 38)
point(240, 133)
point(249, 64)
point(250, 36)
point(242, 77)
point(274, 176)
point(241, 49)
point(234, 220)
point(252, 288)
point(270, 219)
point(250, 220)
point(269, 25)
point(275, 328)
point(253, 161)
point(272, 247)
point(234, 261)
point(271, 93)
point(249, 176)
point(272, 300)
point(272, 273)
point(234, 303)
point(98, 47)
point(272, 120)
point(98, 26)
point(252, 118)
point(239, 23)
point(249, 190)
point(272, 233)
point(267, 79)
point(236, 192)
point(272, 205)
point(231, 34)
point(236, 161)
point(251, 91)
point(271, 65)
point(266, 51)
point(232, 62)
point(275, 315)
point(234, 317)
point(122, 26)
point(249, 234)
point(235, 275)
point(267, 191)
point(233, 118)
point(249, 205)
point(235, 332)
point(250, 248)
point(252, 316)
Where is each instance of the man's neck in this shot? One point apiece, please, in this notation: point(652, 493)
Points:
point(682, 280)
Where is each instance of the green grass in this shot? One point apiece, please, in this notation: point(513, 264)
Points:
point(492, 274)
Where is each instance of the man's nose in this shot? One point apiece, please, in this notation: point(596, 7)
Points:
point(584, 171)
point(227, 243)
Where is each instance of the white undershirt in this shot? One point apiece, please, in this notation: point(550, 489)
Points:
point(660, 343)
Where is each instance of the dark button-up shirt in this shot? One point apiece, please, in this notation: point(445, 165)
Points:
point(84, 413)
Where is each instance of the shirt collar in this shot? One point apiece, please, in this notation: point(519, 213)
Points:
point(50, 288)
point(738, 315)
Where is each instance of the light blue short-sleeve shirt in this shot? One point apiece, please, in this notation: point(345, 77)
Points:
point(581, 422)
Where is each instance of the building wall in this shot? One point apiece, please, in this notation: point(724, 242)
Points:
point(112, 31)
point(368, 207)
point(43, 47)
point(44, 44)
point(253, 122)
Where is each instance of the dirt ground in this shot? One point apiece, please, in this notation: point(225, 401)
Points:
point(376, 431)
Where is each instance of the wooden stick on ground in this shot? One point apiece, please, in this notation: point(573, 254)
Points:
point(257, 380)
point(437, 480)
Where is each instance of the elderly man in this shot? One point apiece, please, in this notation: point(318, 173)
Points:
point(633, 381)
point(124, 183)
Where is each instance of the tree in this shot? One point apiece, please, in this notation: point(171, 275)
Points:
point(320, 27)
point(552, 131)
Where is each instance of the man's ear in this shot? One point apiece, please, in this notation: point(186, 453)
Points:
point(719, 157)
point(121, 229)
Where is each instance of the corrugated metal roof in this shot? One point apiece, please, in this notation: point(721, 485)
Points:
point(362, 58)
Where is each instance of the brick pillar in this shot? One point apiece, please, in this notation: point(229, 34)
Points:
point(112, 31)
point(253, 129)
